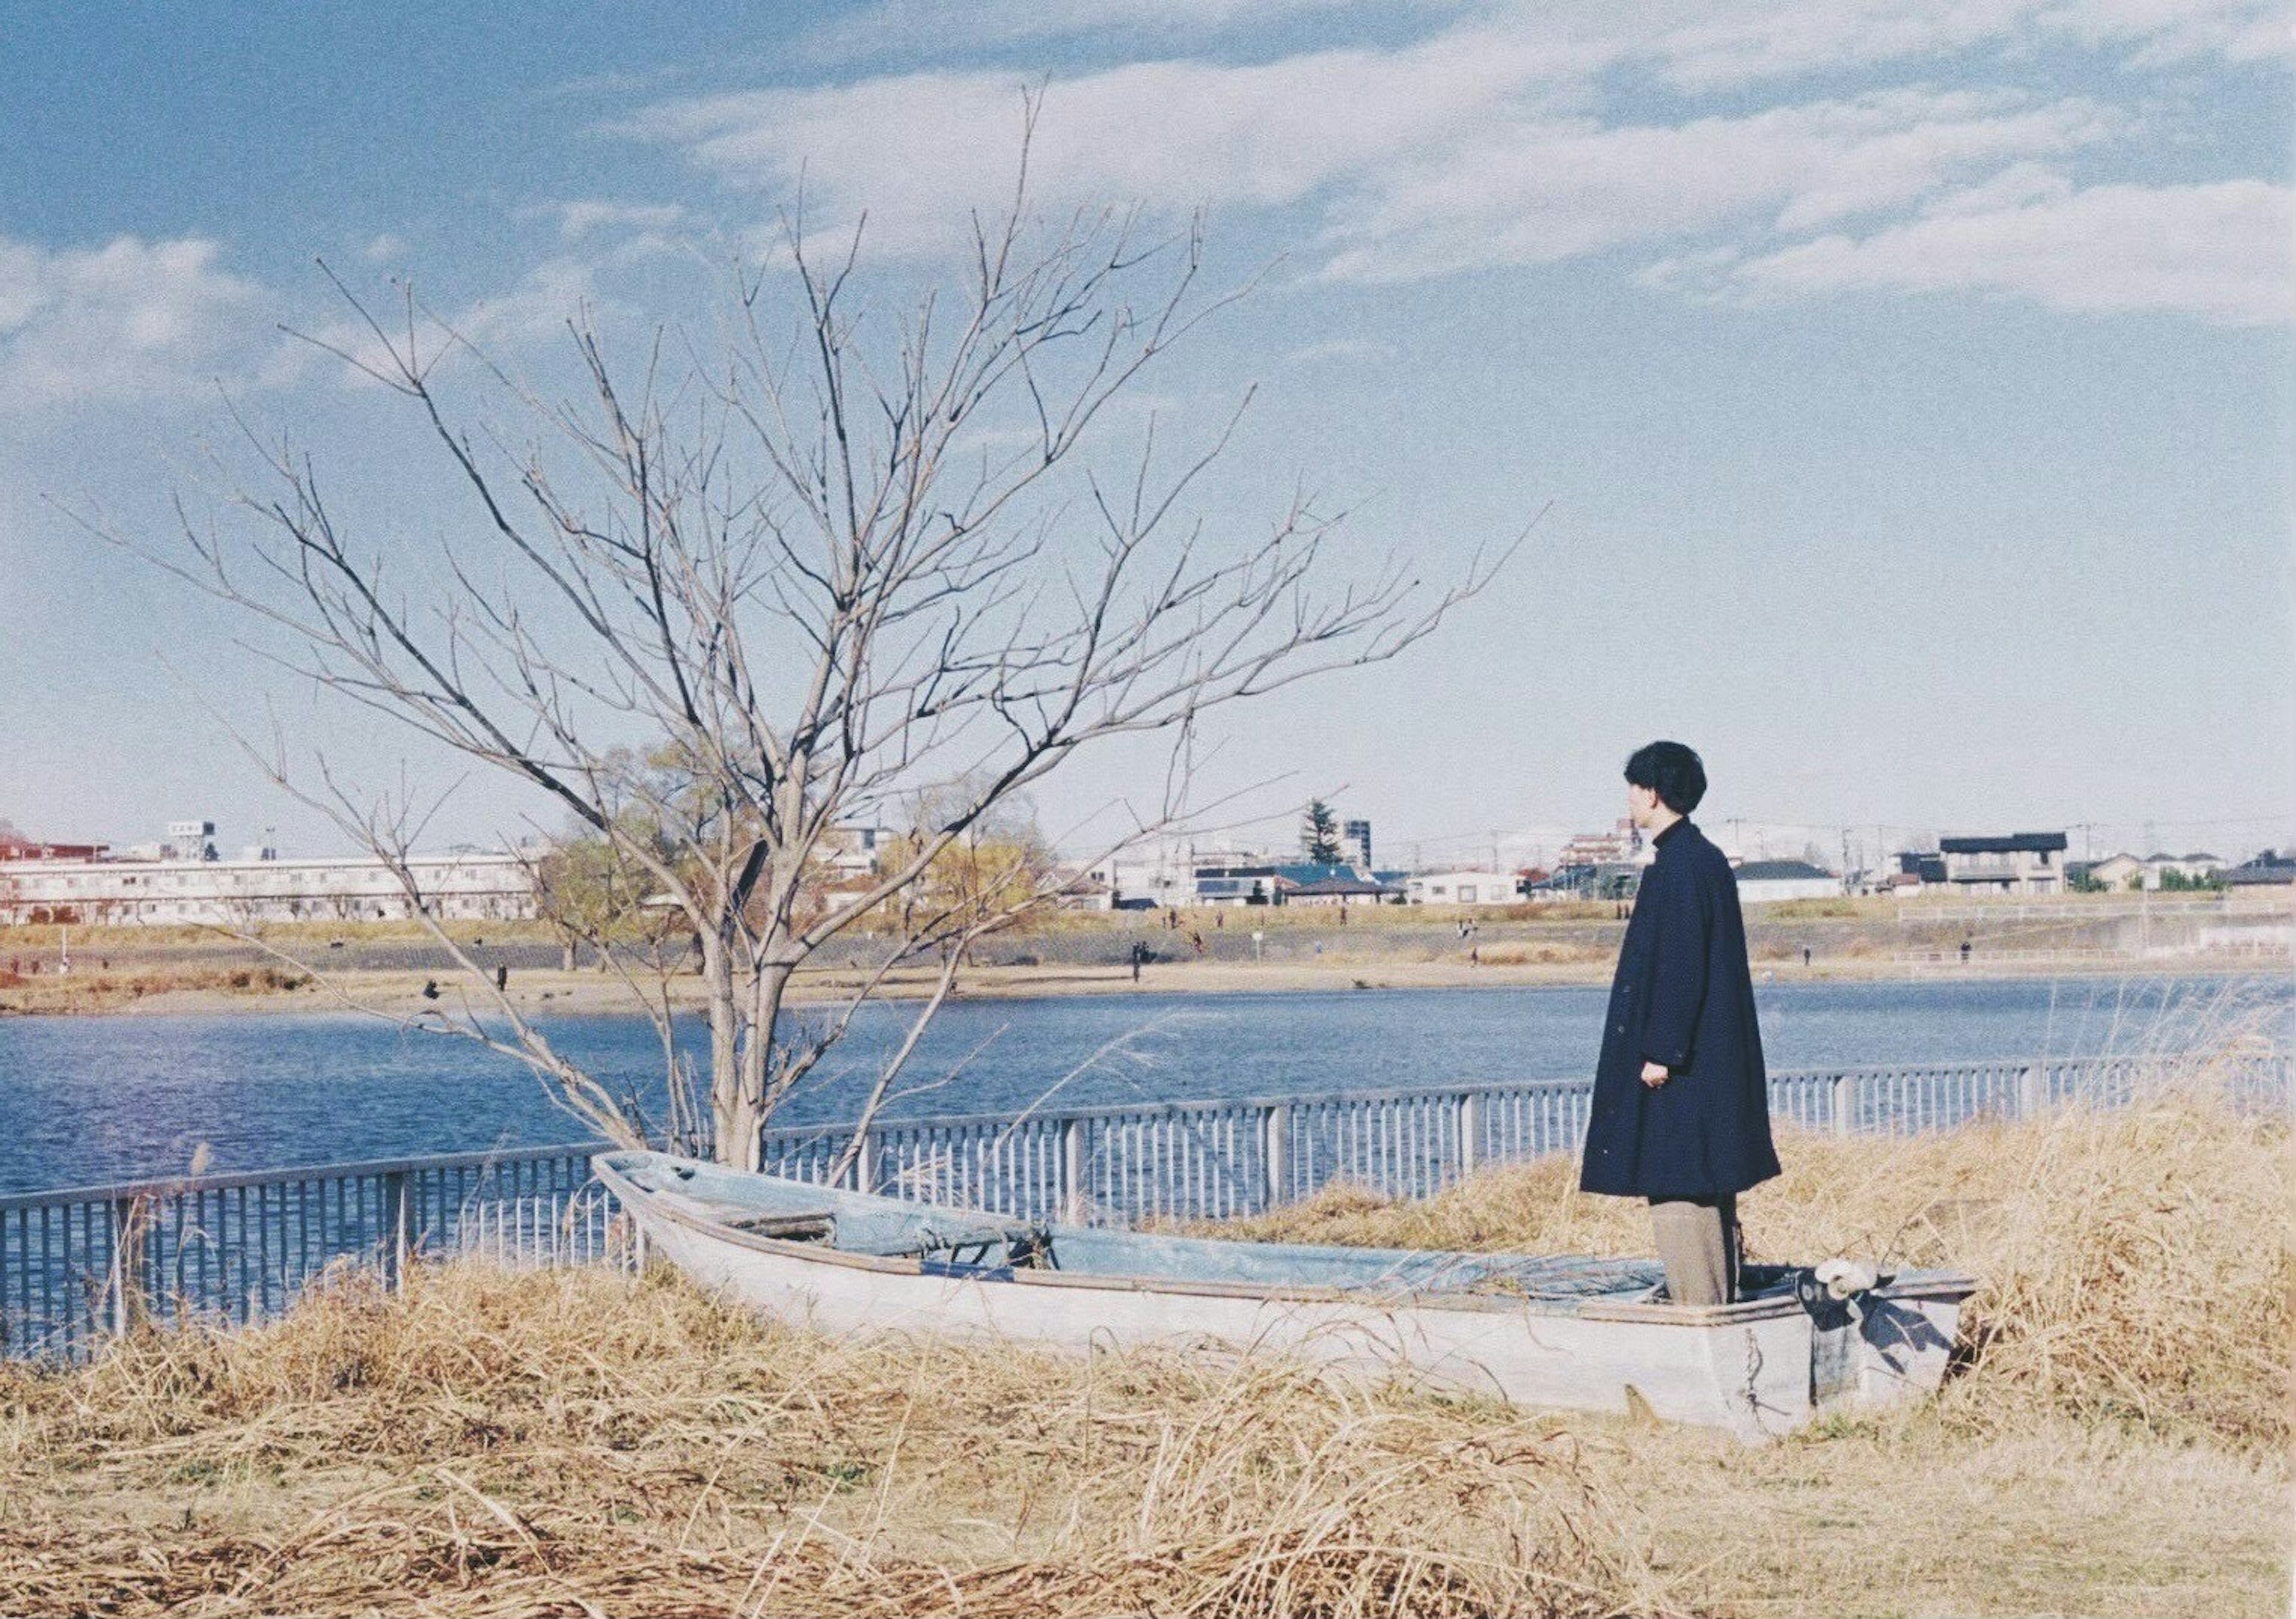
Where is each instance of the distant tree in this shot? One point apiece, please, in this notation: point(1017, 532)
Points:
point(590, 892)
point(1319, 835)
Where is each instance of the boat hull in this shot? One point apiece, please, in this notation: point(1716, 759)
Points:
point(1759, 1369)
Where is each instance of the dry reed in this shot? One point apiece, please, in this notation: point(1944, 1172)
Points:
point(577, 1443)
point(2134, 1263)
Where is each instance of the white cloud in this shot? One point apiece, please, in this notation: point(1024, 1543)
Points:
point(1538, 193)
point(388, 246)
point(587, 217)
point(2219, 252)
point(918, 150)
point(1486, 144)
point(128, 320)
point(898, 24)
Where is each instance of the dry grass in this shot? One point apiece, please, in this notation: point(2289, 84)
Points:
point(101, 989)
point(585, 1444)
point(579, 1443)
point(2135, 1263)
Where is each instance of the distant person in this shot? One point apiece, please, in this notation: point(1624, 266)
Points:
point(1805, 955)
point(1681, 1113)
point(1965, 953)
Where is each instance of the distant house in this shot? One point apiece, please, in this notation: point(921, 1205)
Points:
point(2117, 872)
point(1462, 888)
point(1917, 870)
point(1235, 882)
point(1762, 881)
point(2016, 863)
point(2267, 870)
point(1607, 881)
point(2124, 872)
point(1322, 885)
point(2195, 868)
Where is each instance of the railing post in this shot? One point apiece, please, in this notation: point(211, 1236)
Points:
point(2033, 1091)
point(1274, 1155)
point(1076, 1205)
point(1470, 1133)
point(864, 1162)
point(398, 1230)
point(126, 1268)
point(1845, 1103)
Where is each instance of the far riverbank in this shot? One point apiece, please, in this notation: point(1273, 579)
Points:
point(286, 989)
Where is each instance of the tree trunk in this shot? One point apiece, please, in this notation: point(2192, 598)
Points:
point(566, 956)
point(729, 1118)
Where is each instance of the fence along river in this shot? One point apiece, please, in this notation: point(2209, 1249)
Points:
point(77, 1265)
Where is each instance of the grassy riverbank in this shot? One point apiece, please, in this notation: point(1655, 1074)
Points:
point(584, 1444)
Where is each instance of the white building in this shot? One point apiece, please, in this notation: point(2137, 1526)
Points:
point(1462, 888)
point(234, 892)
point(1762, 881)
point(1154, 876)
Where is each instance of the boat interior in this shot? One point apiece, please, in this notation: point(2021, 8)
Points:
point(960, 1241)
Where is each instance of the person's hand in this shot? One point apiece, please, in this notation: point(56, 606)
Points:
point(1654, 1075)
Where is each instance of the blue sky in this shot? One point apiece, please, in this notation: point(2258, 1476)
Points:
point(1910, 383)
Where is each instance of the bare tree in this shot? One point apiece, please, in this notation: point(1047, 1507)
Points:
point(839, 560)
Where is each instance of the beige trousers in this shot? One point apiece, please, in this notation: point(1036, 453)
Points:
point(1698, 1244)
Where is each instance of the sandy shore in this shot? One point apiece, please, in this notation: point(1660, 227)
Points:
point(590, 992)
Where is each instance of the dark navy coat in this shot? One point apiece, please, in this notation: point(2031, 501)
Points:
point(1684, 997)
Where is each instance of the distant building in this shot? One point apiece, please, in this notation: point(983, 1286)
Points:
point(1320, 884)
point(1606, 880)
point(2267, 870)
point(1762, 881)
point(1234, 880)
point(854, 851)
point(2016, 863)
point(1354, 842)
point(1917, 868)
point(1622, 846)
point(234, 892)
point(1462, 888)
point(2116, 872)
point(17, 846)
point(189, 841)
point(1154, 876)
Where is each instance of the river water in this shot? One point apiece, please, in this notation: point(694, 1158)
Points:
point(90, 1099)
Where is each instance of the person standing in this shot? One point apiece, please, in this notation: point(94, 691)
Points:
point(1681, 1115)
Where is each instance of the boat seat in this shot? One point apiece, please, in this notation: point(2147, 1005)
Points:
point(789, 1225)
point(962, 1242)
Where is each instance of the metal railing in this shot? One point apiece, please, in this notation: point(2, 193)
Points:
point(79, 1265)
point(1213, 1160)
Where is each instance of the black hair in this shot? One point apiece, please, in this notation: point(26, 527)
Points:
point(1671, 770)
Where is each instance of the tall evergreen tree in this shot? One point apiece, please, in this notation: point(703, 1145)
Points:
point(1319, 835)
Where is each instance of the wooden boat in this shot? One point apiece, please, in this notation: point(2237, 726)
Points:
point(1539, 1332)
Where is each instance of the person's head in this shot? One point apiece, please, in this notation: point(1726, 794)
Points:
point(1664, 779)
